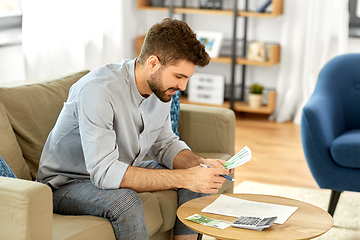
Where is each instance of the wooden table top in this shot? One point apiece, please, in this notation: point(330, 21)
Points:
point(307, 222)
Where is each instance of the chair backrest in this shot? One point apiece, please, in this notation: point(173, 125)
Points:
point(340, 79)
point(32, 111)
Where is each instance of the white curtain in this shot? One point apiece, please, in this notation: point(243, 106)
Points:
point(314, 31)
point(65, 36)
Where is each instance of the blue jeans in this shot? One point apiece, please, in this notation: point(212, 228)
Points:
point(122, 207)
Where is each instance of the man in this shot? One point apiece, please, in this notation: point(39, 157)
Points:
point(113, 117)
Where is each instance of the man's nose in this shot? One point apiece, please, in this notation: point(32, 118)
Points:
point(182, 85)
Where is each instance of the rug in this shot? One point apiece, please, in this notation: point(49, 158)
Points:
point(347, 213)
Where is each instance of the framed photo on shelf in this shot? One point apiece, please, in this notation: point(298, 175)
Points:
point(206, 88)
point(256, 51)
point(211, 40)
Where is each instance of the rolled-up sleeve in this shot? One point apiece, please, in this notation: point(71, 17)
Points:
point(98, 138)
point(167, 146)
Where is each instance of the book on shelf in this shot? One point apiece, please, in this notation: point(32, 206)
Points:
point(264, 6)
point(211, 4)
point(226, 49)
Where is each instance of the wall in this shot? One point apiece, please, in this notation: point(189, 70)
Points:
point(11, 65)
point(263, 29)
point(354, 45)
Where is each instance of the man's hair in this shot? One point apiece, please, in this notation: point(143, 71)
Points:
point(173, 40)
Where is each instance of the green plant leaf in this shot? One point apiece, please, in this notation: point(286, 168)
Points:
point(256, 88)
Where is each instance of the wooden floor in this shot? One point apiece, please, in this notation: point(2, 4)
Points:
point(277, 155)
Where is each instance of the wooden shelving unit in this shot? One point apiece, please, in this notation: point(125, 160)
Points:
point(273, 57)
point(277, 10)
point(243, 106)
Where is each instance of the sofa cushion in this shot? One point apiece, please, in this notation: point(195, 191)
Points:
point(152, 213)
point(32, 111)
point(223, 156)
point(168, 205)
point(10, 149)
point(90, 227)
point(71, 227)
point(206, 128)
point(345, 149)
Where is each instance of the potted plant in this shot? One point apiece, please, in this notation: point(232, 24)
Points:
point(255, 95)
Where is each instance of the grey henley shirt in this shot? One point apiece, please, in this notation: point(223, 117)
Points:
point(104, 127)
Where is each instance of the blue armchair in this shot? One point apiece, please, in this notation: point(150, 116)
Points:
point(330, 128)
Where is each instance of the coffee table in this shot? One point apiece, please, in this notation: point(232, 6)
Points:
point(307, 222)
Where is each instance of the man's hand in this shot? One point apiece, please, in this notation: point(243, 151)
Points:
point(204, 180)
point(197, 179)
point(215, 163)
point(187, 173)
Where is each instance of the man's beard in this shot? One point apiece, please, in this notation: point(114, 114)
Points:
point(156, 86)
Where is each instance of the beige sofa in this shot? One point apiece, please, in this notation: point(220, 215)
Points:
point(28, 113)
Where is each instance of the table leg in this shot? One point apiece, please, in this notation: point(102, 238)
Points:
point(199, 236)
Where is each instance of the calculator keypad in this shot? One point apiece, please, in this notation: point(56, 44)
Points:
point(253, 221)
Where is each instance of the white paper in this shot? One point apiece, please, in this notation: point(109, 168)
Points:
point(236, 207)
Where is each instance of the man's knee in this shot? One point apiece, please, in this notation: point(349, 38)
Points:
point(185, 195)
point(128, 205)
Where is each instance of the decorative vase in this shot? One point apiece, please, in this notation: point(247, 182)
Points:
point(255, 100)
point(157, 3)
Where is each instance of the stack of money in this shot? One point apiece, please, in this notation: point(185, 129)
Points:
point(243, 156)
point(209, 221)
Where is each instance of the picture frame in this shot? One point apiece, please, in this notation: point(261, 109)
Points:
point(256, 51)
point(206, 88)
point(212, 41)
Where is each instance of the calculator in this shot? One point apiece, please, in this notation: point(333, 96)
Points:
point(253, 223)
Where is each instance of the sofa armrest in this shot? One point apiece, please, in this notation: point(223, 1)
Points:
point(207, 129)
point(25, 209)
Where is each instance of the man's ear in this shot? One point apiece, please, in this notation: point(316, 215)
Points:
point(153, 62)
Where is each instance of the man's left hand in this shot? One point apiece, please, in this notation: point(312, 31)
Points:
point(215, 163)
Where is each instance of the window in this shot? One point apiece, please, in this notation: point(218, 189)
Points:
point(354, 20)
point(10, 22)
point(10, 8)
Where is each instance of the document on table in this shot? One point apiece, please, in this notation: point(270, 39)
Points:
point(236, 207)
